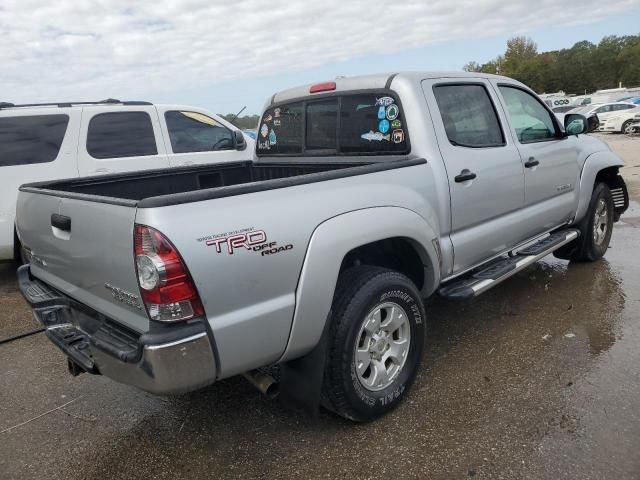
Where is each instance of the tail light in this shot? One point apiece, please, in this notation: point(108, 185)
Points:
point(166, 286)
point(322, 87)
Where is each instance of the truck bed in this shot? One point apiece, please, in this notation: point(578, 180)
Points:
point(154, 188)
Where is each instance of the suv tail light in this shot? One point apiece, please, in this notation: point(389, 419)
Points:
point(166, 286)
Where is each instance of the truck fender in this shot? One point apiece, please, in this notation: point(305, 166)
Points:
point(328, 246)
point(592, 166)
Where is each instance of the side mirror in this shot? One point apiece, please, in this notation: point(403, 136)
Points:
point(239, 141)
point(575, 124)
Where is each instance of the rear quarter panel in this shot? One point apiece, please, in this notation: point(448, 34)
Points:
point(249, 298)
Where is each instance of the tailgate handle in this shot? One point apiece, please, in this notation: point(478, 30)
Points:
point(61, 222)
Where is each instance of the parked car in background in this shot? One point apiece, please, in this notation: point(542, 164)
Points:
point(603, 110)
point(621, 122)
point(251, 132)
point(635, 100)
point(63, 140)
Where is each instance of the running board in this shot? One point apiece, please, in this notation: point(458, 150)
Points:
point(495, 272)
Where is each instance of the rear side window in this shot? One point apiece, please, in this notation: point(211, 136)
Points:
point(31, 139)
point(121, 134)
point(194, 132)
point(355, 124)
point(469, 116)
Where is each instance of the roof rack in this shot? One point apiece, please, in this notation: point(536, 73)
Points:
point(108, 101)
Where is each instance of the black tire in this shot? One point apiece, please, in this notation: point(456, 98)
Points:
point(586, 248)
point(625, 125)
point(360, 289)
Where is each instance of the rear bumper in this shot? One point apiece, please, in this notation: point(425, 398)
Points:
point(173, 359)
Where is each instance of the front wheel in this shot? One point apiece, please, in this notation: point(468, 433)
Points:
point(375, 344)
point(595, 229)
point(626, 127)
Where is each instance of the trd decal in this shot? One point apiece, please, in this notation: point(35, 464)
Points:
point(246, 238)
point(241, 240)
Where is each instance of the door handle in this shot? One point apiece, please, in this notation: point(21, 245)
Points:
point(101, 171)
point(464, 175)
point(532, 162)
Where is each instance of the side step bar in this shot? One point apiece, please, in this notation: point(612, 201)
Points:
point(489, 276)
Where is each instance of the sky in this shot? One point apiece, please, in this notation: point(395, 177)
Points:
point(226, 55)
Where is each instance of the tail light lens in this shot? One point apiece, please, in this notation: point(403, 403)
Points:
point(166, 286)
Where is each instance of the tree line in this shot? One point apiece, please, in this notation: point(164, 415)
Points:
point(585, 67)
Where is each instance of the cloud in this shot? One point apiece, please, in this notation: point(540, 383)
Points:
point(86, 49)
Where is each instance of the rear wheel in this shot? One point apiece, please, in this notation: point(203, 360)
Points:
point(595, 229)
point(375, 344)
point(625, 126)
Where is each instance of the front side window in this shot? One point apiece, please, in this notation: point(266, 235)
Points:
point(194, 132)
point(350, 124)
point(469, 117)
point(604, 109)
point(121, 134)
point(31, 139)
point(530, 120)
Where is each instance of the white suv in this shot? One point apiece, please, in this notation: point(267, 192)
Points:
point(63, 140)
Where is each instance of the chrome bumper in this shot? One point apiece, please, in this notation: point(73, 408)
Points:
point(168, 361)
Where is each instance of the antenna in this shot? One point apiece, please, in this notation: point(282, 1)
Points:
point(237, 114)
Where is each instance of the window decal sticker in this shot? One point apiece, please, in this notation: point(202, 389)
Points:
point(381, 113)
point(384, 101)
point(398, 136)
point(272, 137)
point(396, 124)
point(374, 136)
point(264, 130)
point(267, 118)
point(392, 112)
point(383, 125)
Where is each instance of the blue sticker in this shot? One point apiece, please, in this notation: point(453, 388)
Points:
point(383, 125)
point(382, 112)
point(272, 137)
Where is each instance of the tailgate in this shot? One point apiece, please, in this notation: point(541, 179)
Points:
point(84, 248)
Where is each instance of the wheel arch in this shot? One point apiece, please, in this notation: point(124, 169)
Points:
point(602, 167)
point(358, 235)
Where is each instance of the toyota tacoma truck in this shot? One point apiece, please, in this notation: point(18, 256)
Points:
point(305, 269)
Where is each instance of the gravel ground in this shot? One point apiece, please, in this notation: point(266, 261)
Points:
point(538, 378)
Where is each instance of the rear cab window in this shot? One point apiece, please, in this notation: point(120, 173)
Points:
point(469, 116)
point(336, 124)
point(31, 139)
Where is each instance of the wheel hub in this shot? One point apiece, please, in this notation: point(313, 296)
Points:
point(382, 346)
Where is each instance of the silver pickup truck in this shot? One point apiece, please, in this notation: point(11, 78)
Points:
point(305, 268)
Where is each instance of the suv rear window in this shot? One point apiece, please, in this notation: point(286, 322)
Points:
point(121, 134)
point(353, 124)
point(31, 139)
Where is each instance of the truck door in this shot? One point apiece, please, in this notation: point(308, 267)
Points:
point(550, 159)
point(120, 139)
point(484, 170)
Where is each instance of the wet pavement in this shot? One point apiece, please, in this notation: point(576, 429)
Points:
point(538, 378)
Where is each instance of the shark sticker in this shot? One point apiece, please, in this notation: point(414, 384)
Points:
point(372, 136)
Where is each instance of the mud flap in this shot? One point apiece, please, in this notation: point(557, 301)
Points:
point(301, 378)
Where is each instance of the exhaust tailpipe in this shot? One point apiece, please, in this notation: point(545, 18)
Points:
point(263, 382)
